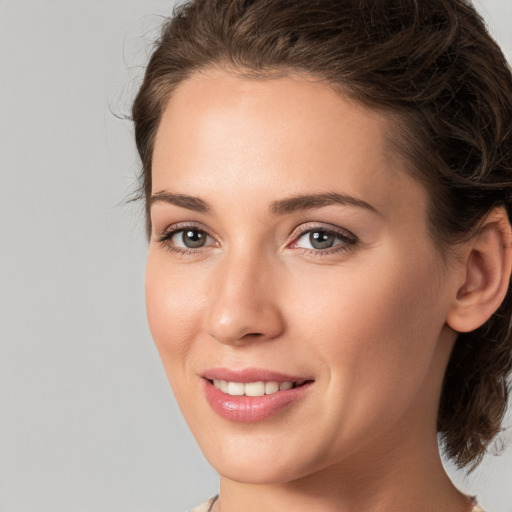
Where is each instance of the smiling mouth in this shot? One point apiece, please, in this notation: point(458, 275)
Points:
point(252, 394)
point(258, 388)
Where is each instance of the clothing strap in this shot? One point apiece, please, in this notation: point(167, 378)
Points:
point(215, 498)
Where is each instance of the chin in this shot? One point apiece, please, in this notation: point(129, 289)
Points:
point(268, 472)
point(262, 463)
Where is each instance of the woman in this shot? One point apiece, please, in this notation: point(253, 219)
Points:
point(328, 191)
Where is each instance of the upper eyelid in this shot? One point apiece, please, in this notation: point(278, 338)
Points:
point(181, 226)
point(307, 227)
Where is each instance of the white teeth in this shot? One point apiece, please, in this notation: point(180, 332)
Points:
point(251, 388)
point(271, 387)
point(255, 389)
point(235, 388)
point(221, 384)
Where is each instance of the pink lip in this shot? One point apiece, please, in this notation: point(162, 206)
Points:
point(246, 409)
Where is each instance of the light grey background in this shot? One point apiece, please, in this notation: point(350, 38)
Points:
point(87, 421)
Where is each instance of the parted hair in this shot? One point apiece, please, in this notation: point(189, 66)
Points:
point(433, 68)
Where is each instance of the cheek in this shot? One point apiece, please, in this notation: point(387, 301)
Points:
point(173, 304)
point(381, 318)
point(375, 333)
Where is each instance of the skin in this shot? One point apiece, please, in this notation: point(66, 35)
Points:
point(367, 319)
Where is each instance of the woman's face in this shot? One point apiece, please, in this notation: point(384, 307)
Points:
point(289, 245)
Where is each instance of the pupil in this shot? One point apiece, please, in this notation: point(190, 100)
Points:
point(193, 239)
point(321, 239)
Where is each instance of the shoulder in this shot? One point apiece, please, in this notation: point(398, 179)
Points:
point(206, 506)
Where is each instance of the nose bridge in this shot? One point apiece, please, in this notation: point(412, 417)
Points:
point(243, 304)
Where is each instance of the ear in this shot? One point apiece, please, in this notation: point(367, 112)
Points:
point(487, 265)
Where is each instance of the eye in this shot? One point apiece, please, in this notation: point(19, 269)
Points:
point(190, 238)
point(321, 239)
point(185, 239)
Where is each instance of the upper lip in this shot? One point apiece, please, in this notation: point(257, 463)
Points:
point(250, 375)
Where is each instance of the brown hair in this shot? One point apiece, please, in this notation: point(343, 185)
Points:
point(431, 65)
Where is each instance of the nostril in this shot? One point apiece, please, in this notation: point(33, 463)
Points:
point(253, 335)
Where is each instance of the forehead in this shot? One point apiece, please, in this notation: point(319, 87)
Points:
point(286, 135)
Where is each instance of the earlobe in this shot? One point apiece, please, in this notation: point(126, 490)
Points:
point(488, 261)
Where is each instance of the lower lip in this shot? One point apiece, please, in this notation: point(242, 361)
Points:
point(247, 409)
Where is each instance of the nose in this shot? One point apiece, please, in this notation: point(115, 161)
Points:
point(243, 304)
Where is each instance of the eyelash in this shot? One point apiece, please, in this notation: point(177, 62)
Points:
point(166, 237)
point(348, 240)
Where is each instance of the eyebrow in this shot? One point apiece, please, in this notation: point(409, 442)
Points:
point(182, 200)
point(305, 202)
point(279, 207)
